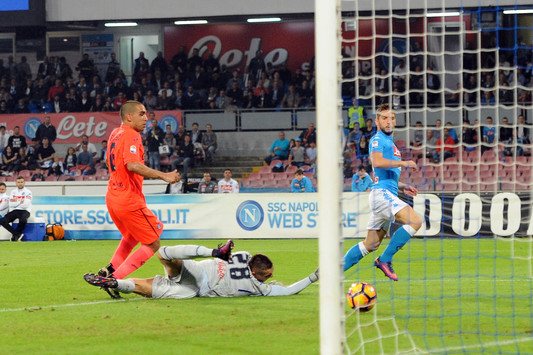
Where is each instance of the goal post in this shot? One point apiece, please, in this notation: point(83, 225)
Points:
point(329, 127)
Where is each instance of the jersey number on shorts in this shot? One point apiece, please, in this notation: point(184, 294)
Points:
point(112, 157)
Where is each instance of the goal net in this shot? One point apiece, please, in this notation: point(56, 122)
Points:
point(459, 76)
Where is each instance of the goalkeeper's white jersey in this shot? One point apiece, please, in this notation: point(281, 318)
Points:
point(233, 278)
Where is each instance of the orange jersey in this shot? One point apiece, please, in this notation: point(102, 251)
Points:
point(125, 187)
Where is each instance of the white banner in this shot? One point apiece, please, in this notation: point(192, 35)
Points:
point(217, 216)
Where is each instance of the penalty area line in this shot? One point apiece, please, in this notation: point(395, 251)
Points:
point(38, 308)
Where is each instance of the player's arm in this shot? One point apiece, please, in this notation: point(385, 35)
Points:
point(278, 290)
point(409, 190)
point(378, 161)
point(141, 169)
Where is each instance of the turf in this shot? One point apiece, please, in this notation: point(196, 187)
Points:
point(465, 296)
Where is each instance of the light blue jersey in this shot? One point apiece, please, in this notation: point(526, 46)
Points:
point(386, 178)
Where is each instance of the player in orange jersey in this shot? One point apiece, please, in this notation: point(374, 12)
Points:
point(125, 200)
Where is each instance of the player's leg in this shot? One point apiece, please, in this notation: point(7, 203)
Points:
point(142, 287)
point(411, 223)
point(23, 220)
point(6, 223)
point(145, 228)
point(126, 245)
point(357, 252)
point(196, 251)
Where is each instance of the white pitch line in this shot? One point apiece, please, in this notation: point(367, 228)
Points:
point(38, 308)
point(484, 345)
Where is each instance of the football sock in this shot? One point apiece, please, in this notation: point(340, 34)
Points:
point(126, 286)
point(124, 249)
point(133, 262)
point(355, 254)
point(398, 240)
point(185, 252)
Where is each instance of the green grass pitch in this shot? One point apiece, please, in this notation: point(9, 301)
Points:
point(452, 294)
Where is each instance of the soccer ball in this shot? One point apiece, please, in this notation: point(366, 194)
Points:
point(362, 296)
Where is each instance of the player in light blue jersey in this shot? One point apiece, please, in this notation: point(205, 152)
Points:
point(384, 203)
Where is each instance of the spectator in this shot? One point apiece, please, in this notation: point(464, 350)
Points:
point(431, 144)
point(207, 185)
point(85, 141)
point(436, 131)
point(46, 154)
point(433, 85)
point(59, 105)
point(20, 201)
point(228, 185)
point(9, 160)
point(119, 101)
point(4, 138)
point(418, 135)
point(506, 131)
point(195, 133)
point(308, 135)
point(37, 175)
point(291, 99)
point(489, 136)
point(297, 154)
point(179, 187)
point(301, 183)
point(17, 141)
point(311, 154)
point(444, 148)
point(279, 149)
point(113, 68)
point(4, 200)
point(139, 62)
point(362, 149)
point(452, 132)
point(57, 168)
point(361, 181)
point(86, 67)
point(33, 154)
point(209, 143)
point(522, 130)
point(356, 115)
point(85, 160)
point(46, 129)
point(85, 102)
point(23, 161)
point(71, 159)
point(185, 156)
point(369, 130)
point(154, 139)
point(470, 137)
point(56, 90)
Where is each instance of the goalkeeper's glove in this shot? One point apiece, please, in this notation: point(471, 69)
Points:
point(313, 276)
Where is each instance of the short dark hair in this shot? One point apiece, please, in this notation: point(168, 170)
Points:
point(299, 172)
point(3, 184)
point(260, 262)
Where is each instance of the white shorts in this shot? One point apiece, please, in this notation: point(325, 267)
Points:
point(191, 282)
point(384, 206)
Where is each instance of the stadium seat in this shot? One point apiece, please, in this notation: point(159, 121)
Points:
point(291, 170)
point(488, 187)
point(274, 162)
point(51, 178)
point(265, 169)
point(26, 174)
point(508, 186)
point(267, 176)
point(89, 177)
point(451, 187)
point(254, 176)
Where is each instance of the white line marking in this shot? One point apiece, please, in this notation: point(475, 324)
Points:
point(484, 345)
point(38, 308)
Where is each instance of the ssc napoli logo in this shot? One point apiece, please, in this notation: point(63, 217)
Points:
point(30, 127)
point(169, 120)
point(250, 215)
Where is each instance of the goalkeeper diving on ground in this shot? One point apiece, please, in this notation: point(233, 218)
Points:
point(225, 275)
point(384, 203)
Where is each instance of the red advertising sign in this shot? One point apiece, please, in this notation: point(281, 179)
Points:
point(71, 126)
point(234, 45)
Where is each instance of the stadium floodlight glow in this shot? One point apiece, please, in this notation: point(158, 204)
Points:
point(518, 12)
point(190, 22)
point(120, 24)
point(264, 19)
point(443, 14)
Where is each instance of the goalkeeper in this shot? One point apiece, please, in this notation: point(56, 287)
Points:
point(383, 199)
point(226, 275)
